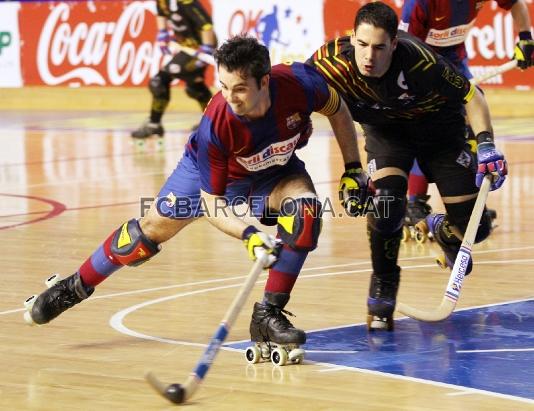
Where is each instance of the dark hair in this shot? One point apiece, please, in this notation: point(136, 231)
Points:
point(379, 15)
point(244, 54)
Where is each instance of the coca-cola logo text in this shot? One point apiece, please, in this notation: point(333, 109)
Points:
point(99, 53)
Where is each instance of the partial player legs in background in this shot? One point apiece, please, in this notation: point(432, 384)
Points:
point(439, 227)
point(417, 207)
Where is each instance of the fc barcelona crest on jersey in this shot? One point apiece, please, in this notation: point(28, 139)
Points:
point(293, 121)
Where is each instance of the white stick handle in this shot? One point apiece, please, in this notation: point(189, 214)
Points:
point(503, 68)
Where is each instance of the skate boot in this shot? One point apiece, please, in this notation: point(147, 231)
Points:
point(492, 214)
point(416, 210)
point(275, 337)
point(447, 240)
point(60, 296)
point(381, 301)
point(146, 131)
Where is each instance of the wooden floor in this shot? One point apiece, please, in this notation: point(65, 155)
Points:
point(69, 177)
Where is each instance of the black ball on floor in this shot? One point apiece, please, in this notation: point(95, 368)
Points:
point(175, 393)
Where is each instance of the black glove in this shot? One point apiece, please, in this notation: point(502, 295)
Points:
point(524, 50)
point(353, 189)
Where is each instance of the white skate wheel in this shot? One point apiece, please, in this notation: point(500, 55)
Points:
point(52, 280)
point(253, 354)
point(420, 237)
point(442, 262)
point(405, 234)
point(279, 356)
point(28, 318)
point(28, 304)
point(296, 355)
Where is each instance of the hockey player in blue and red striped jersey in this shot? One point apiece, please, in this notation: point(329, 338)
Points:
point(243, 150)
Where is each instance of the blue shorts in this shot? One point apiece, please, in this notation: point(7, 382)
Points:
point(179, 198)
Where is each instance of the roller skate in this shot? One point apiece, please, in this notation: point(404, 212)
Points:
point(416, 210)
point(492, 214)
point(381, 301)
point(146, 131)
point(60, 296)
point(274, 336)
point(447, 240)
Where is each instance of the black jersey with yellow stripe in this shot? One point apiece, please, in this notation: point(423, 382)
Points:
point(419, 85)
point(187, 18)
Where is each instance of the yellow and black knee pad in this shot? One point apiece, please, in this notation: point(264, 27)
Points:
point(300, 223)
point(130, 246)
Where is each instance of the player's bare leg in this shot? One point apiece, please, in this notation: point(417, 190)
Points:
point(133, 243)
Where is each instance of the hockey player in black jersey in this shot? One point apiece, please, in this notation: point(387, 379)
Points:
point(409, 101)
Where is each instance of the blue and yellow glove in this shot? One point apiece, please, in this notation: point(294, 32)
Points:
point(258, 242)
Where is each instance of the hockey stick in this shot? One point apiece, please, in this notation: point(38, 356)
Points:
point(204, 57)
point(452, 292)
point(179, 393)
point(503, 68)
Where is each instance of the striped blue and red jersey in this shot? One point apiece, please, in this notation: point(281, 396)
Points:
point(444, 24)
point(227, 147)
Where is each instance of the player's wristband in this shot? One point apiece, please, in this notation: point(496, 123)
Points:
point(353, 165)
point(248, 232)
point(525, 35)
point(484, 137)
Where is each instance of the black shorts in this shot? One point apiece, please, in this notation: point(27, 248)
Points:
point(441, 151)
point(184, 67)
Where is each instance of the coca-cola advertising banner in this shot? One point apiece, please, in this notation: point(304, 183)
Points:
point(111, 43)
point(88, 43)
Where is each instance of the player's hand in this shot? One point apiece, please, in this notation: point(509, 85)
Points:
point(258, 242)
point(524, 50)
point(353, 189)
point(163, 39)
point(204, 49)
point(491, 161)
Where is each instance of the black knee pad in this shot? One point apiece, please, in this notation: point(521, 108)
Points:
point(198, 91)
point(130, 246)
point(300, 223)
point(160, 86)
point(388, 213)
point(459, 214)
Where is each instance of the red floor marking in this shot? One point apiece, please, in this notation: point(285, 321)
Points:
point(57, 209)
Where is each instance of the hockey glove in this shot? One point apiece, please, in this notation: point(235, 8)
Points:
point(524, 50)
point(204, 49)
point(490, 161)
point(163, 39)
point(353, 189)
point(257, 241)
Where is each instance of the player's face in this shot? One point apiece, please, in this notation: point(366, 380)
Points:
point(373, 49)
point(243, 95)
